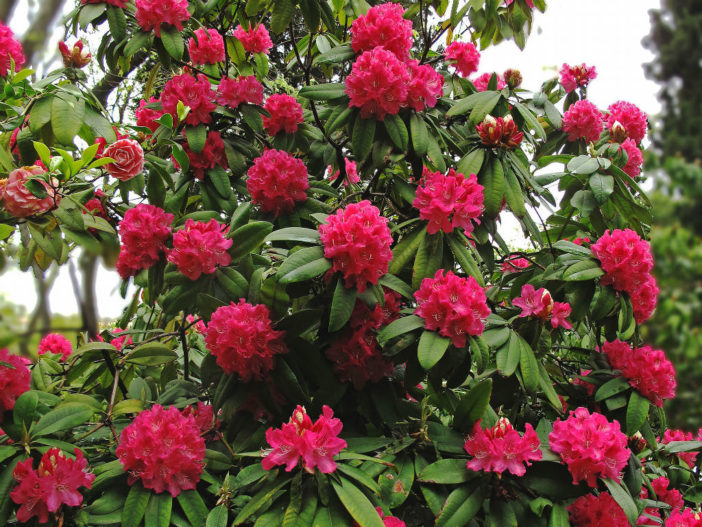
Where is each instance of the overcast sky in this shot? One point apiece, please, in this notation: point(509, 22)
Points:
point(603, 33)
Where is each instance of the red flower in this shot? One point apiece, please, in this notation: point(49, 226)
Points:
point(195, 94)
point(286, 114)
point(630, 117)
point(14, 381)
point(559, 314)
point(424, 87)
point(589, 387)
point(464, 56)
point(204, 419)
point(129, 159)
point(243, 340)
point(245, 89)
point(454, 306)
point(501, 448)
point(277, 181)
point(578, 76)
point(534, 302)
point(672, 497)
point(685, 518)
point(351, 173)
point(500, 132)
point(55, 343)
point(383, 26)
point(213, 154)
point(208, 48)
point(150, 14)
point(481, 82)
point(514, 265)
point(147, 116)
point(644, 299)
point(10, 48)
point(583, 120)
point(163, 449)
point(143, 231)
point(389, 521)
point(75, 57)
point(596, 511)
point(357, 240)
point(256, 40)
point(19, 201)
point(634, 157)
point(199, 248)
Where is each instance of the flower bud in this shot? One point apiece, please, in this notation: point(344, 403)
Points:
point(75, 57)
point(618, 132)
point(490, 130)
point(513, 78)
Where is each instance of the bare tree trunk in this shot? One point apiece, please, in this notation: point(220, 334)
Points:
point(35, 39)
point(6, 9)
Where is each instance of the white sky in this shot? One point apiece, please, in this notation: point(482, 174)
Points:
point(603, 33)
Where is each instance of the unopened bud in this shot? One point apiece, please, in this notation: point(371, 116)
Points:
point(75, 57)
point(513, 78)
point(618, 132)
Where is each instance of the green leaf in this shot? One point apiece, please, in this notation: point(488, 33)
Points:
point(117, 22)
point(66, 117)
point(217, 517)
point(40, 114)
point(151, 354)
point(400, 327)
point(6, 482)
point(283, 11)
point(260, 499)
point(335, 55)
point(420, 134)
point(219, 179)
point(249, 237)
point(481, 98)
point(624, 499)
point(193, 506)
point(233, 282)
point(25, 406)
point(584, 270)
point(611, 387)
point(472, 162)
point(636, 412)
point(460, 507)
point(431, 349)
point(172, 41)
point(362, 137)
point(135, 506)
point(403, 252)
point(6, 231)
point(393, 282)
point(484, 106)
point(626, 324)
point(446, 472)
point(294, 234)
point(583, 165)
point(428, 259)
point(513, 194)
point(572, 248)
point(531, 120)
point(472, 406)
point(602, 186)
point(342, 305)
point(464, 257)
point(302, 265)
point(128, 406)
point(493, 181)
point(357, 504)
point(158, 512)
point(64, 418)
point(397, 131)
point(323, 92)
point(43, 151)
point(197, 136)
point(559, 516)
point(360, 476)
point(508, 357)
point(528, 367)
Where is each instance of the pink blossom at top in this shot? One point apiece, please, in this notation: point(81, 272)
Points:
point(583, 120)
point(534, 302)
point(578, 76)
point(514, 265)
point(199, 248)
point(630, 117)
point(14, 381)
point(163, 449)
point(634, 158)
point(256, 40)
point(316, 443)
point(559, 314)
point(481, 82)
point(195, 94)
point(75, 57)
point(672, 497)
point(455, 306)
point(286, 114)
point(673, 434)
point(207, 47)
point(464, 56)
point(277, 181)
point(152, 14)
point(19, 201)
point(377, 84)
point(54, 483)
point(501, 448)
point(449, 201)
point(244, 89)
point(147, 116)
point(383, 26)
point(684, 518)
point(143, 232)
point(55, 343)
point(213, 154)
point(425, 86)
point(357, 240)
point(242, 339)
point(128, 159)
point(596, 511)
point(351, 173)
point(10, 48)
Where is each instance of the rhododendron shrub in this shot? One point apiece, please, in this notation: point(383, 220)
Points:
point(326, 319)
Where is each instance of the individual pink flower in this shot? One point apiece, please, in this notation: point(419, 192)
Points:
point(204, 419)
point(501, 448)
point(162, 448)
point(286, 114)
point(351, 173)
point(102, 142)
point(256, 40)
point(19, 201)
point(76, 56)
point(199, 248)
point(596, 511)
point(453, 306)
point(425, 86)
point(481, 82)
point(534, 302)
point(464, 56)
point(244, 89)
point(54, 483)
point(679, 435)
point(147, 116)
point(357, 240)
point(14, 380)
point(578, 76)
point(119, 342)
point(195, 94)
point(243, 340)
point(316, 444)
point(514, 265)
point(197, 324)
point(644, 299)
point(128, 159)
point(630, 117)
point(207, 47)
point(377, 84)
point(583, 120)
point(590, 446)
point(684, 518)
point(55, 343)
point(277, 181)
point(383, 26)
point(499, 132)
point(151, 14)
point(143, 231)
point(449, 201)
point(634, 158)
point(213, 154)
point(559, 313)
point(10, 48)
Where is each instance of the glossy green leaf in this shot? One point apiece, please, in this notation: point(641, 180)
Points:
point(636, 412)
point(397, 131)
point(357, 504)
point(362, 137)
point(446, 472)
point(342, 305)
point(135, 506)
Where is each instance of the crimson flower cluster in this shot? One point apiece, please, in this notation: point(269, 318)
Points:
point(204, 417)
point(244, 89)
point(672, 497)
point(578, 76)
point(277, 181)
point(14, 380)
point(583, 120)
point(464, 56)
point(625, 119)
point(357, 240)
point(514, 265)
point(200, 247)
point(597, 511)
point(147, 116)
point(19, 201)
point(143, 231)
point(194, 93)
point(212, 155)
point(316, 443)
point(453, 306)
point(538, 303)
point(207, 47)
point(254, 40)
point(388, 521)
point(501, 448)
point(500, 132)
point(383, 26)
point(449, 201)
point(55, 343)
point(285, 114)
point(152, 14)
point(10, 48)
point(684, 518)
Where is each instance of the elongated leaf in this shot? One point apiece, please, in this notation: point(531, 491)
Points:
point(508, 357)
point(343, 302)
point(462, 106)
point(584, 270)
point(472, 162)
point(249, 237)
point(362, 137)
point(172, 41)
point(431, 349)
point(258, 500)
point(66, 117)
point(397, 131)
point(405, 250)
point(420, 134)
point(217, 517)
point(472, 406)
point(484, 106)
point(428, 259)
point(294, 234)
point(460, 507)
point(135, 506)
point(399, 327)
point(152, 354)
point(611, 387)
point(64, 418)
point(625, 501)
point(323, 92)
point(193, 506)
point(528, 367)
point(446, 472)
point(283, 11)
point(299, 267)
point(493, 180)
point(197, 136)
point(559, 516)
point(6, 481)
point(464, 257)
point(357, 504)
point(601, 186)
point(636, 412)
point(531, 120)
point(335, 55)
point(513, 194)
point(583, 165)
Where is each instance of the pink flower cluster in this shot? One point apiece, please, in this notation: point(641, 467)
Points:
point(254, 40)
point(425, 86)
point(356, 354)
point(286, 114)
point(55, 343)
point(243, 340)
point(596, 511)
point(578, 76)
point(195, 94)
point(357, 240)
point(162, 448)
point(630, 117)
point(500, 132)
point(673, 434)
point(501, 448)
point(55, 482)
point(144, 231)
point(590, 445)
point(583, 120)
point(672, 497)
point(128, 159)
point(454, 306)
point(200, 247)
point(464, 56)
point(538, 303)
point(277, 181)
point(213, 154)
point(481, 83)
point(627, 262)
point(147, 116)
point(244, 89)
point(685, 518)
point(383, 26)
point(14, 381)
point(316, 443)
point(151, 14)
point(646, 369)
point(634, 157)
point(449, 201)
point(204, 417)
point(19, 201)
point(207, 47)
point(10, 48)
point(514, 265)
point(351, 173)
